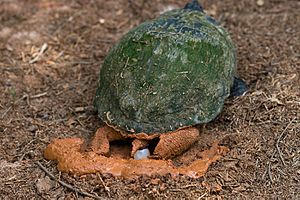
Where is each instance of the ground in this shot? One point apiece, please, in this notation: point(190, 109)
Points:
point(50, 56)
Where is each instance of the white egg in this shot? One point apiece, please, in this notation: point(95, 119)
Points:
point(141, 154)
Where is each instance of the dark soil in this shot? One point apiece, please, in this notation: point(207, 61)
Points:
point(50, 55)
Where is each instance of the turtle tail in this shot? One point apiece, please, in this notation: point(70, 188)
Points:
point(194, 5)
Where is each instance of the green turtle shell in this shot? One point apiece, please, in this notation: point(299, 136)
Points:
point(168, 73)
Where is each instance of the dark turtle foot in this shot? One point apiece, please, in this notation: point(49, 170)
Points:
point(239, 87)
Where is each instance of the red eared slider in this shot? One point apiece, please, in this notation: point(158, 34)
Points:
point(166, 74)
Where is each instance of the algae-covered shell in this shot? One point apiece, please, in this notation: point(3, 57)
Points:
point(168, 73)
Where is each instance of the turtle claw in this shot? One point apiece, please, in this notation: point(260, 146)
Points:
point(175, 143)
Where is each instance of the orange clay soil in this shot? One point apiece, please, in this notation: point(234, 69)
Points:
point(68, 152)
point(170, 144)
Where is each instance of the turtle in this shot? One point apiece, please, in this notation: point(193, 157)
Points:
point(163, 78)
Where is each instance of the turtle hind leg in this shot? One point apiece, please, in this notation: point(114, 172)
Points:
point(239, 87)
point(175, 143)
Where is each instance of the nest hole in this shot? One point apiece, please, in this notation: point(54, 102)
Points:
point(120, 149)
point(152, 144)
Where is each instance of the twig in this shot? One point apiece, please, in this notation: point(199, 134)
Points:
point(39, 95)
point(176, 190)
point(80, 63)
point(203, 195)
point(35, 122)
point(10, 107)
point(270, 173)
point(65, 184)
point(104, 185)
point(277, 149)
point(5, 112)
point(280, 154)
point(25, 96)
point(190, 185)
point(41, 52)
point(83, 130)
point(23, 155)
point(279, 139)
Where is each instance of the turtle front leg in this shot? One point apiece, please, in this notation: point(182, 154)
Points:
point(175, 143)
point(104, 135)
